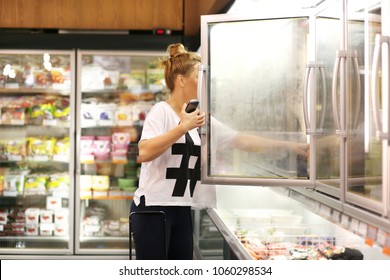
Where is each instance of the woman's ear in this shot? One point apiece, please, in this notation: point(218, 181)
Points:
point(180, 80)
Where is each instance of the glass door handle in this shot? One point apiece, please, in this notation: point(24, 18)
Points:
point(358, 90)
point(324, 93)
point(339, 63)
point(379, 40)
point(202, 70)
point(306, 92)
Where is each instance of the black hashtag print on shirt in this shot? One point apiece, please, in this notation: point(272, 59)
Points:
point(183, 173)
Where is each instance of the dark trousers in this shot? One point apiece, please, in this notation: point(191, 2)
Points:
point(147, 231)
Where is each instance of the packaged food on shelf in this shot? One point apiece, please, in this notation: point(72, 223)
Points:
point(32, 229)
point(61, 229)
point(53, 202)
point(62, 150)
point(46, 229)
point(58, 184)
point(41, 148)
point(61, 216)
point(35, 184)
point(87, 145)
point(88, 114)
point(100, 182)
point(3, 216)
point(46, 216)
point(124, 115)
point(85, 182)
point(16, 149)
point(105, 114)
point(92, 77)
point(13, 184)
point(120, 138)
point(32, 216)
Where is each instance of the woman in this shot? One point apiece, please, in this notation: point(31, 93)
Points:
point(169, 150)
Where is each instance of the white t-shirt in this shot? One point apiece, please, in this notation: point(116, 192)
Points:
point(173, 178)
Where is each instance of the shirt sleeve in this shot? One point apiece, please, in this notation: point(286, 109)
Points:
point(221, 135)
point(153, 125)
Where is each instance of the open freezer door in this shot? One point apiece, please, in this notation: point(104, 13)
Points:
point(254, 81)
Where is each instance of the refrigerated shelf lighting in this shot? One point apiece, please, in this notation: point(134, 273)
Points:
point(6, 69)
point(241, 6)
point(46, 62)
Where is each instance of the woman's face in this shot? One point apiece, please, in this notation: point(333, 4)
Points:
point(191, 83)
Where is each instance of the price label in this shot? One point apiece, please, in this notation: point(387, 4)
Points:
point(106, 123)
point(88, 123)
point(10, 193)
point(362, 229)
point(61, 158)
point(325, 211)
point(381, 238)
point(354, 225)
point(41, 158)
point(125, 122)
point(14, 157)
point(17, 122)
point(371, 235)
point(345, 220)
point(336, 216)
point(386, 248)
point(50, 122)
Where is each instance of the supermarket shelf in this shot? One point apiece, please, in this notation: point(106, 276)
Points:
point(24, 91)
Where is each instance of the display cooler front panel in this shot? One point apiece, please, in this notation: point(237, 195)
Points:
point(36, 151)
point(115, 93)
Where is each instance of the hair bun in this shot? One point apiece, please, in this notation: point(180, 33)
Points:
point(176, 49)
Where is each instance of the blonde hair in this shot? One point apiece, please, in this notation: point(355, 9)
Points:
point(180, 62)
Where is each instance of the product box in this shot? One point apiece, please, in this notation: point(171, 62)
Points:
point(3, 218)
point(32, 229)
point(53, 203)
point(61, 216)
point(32, 216)
point(61, 229)
point(46, 216)
point(100, 183)
point(46, 229)
point(85, 182)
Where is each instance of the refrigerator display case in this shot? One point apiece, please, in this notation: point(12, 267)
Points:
point(36, 151)
point(267, 224)
point(116, 91)
point(322, 80)
point(348, 143)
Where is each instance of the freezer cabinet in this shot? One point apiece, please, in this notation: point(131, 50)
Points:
point(264, 224)
point(36, 152)
point(115, 92)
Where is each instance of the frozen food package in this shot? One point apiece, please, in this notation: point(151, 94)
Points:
point(13, 184)
point(35, 184)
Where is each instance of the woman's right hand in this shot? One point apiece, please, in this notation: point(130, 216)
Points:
point(192, 120)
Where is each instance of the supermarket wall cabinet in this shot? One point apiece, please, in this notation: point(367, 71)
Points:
point(37, 97)
point(116, 91)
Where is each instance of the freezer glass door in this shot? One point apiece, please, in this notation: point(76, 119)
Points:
point(115, 92)
point(364, 151)
point(348, 153)
point(36, 152)
point(328, 37)
point(254, 71)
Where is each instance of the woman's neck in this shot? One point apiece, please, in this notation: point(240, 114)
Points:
point(176, 104)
